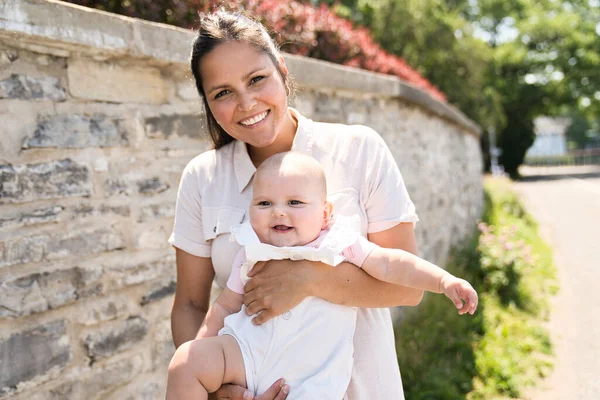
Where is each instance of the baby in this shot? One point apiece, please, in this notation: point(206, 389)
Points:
point(311, 344)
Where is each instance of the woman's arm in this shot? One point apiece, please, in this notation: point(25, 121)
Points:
point(192, 295)
point(275, 289)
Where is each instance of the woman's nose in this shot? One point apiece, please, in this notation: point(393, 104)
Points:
point(246, 102)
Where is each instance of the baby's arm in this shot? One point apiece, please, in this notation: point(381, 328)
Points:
point(404, 268)
point(228, 302)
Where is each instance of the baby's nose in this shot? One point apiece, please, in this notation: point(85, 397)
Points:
point(278, 211)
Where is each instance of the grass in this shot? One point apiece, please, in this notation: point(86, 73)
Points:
point(504, 347)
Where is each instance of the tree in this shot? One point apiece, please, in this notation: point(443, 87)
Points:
point(503, 63)
point(577, 131)
point(550, 62)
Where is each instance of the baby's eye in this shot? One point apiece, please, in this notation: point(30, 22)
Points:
point(295, 202)
point(264, 203)
point(257, 79)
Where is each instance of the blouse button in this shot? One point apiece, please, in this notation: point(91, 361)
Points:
point(215, 229)
point(287, 315)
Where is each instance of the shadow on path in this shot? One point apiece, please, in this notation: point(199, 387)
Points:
point(554, 177)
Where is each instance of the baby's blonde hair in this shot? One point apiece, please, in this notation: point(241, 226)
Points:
point(307, 165)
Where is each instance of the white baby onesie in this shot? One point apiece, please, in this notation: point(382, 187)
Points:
point(311, 345)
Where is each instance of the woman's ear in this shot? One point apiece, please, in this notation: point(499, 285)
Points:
point(284, 69)
point(327, 210)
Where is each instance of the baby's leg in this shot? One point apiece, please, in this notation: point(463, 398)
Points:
point(201, 366)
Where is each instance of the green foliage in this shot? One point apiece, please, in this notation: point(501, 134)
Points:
point(503, 348)
point(503, 63)
point(577, 132)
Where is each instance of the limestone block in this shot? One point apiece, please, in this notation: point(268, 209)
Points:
point(152, 186)
point(47, 290)
point(95, 383)
point(186, 90)
point(102, 311)
point(113, 187)
point(158, 293)
point(32, 88)
point(103, 210)
point(77, 131)
point(81, 243)
point(36, 248)
point(31, 353)
point(129, 186)
point(33, 217)
point(167, 43)
point(106, 81)
point(163, 348)
point(50, 180)
point(151, 238)
point(304, 103)
point(17, 301)
point(155, 211)
point(127, 274)
point(328, 109)
point(24, 250)
point(8, 56)
point(109, 341)
point(180, 125)
point(143, 387)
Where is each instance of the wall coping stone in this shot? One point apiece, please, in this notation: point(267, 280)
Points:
point(65, 28)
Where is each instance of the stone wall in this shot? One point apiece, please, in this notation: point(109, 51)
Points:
point(98, 117)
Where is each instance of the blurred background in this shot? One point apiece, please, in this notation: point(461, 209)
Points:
point(491, 109)
point(526, 71)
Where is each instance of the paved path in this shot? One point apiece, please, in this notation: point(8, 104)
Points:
point(566, 203)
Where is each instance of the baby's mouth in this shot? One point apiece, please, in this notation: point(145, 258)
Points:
point(282, 228)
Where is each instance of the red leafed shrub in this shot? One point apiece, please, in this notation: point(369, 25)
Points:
point(318, 32)
point(299, 27)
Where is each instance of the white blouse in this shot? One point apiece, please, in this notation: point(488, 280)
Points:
point(362, 179)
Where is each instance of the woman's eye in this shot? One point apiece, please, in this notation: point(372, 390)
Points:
point(221, 93)
point(257, 79)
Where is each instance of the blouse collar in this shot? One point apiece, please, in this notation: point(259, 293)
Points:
point(245, 169)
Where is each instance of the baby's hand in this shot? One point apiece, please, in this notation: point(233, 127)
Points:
point(459, 290)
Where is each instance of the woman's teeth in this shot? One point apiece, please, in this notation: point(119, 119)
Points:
point(254, 120)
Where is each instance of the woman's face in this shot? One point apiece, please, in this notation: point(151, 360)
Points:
point(245, 93)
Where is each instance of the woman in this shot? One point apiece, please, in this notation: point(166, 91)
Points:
point(245, 85)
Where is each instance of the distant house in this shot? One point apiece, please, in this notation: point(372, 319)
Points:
point(550, 139)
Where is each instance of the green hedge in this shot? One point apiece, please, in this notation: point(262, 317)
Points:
point(504, 347)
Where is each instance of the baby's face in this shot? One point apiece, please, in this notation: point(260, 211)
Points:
point(288, 208)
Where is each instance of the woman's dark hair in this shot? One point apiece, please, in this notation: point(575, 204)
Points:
point(221, 27)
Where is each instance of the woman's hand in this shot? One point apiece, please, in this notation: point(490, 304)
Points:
point(276, 287)
point(278, 391)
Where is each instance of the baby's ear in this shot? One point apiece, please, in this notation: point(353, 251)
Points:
point(327, 210)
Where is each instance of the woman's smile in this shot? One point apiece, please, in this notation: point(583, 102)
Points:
point(256, 120)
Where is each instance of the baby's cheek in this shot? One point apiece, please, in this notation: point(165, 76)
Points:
point(260, 226)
